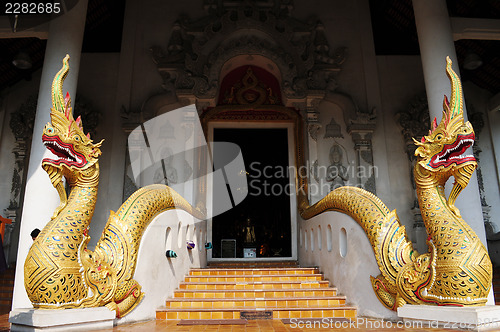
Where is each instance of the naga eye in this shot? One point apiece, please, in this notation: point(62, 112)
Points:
point(77, 138)
point(50, 130)
point(439, 137)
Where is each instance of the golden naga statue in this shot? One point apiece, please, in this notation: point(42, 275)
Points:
point(59, 271)
point(457, 269)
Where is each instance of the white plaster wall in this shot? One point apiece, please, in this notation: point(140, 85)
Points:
point(158, 275)
point(350, 274)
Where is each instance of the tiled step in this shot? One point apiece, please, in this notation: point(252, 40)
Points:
point(277, 313)
point(253, 271)
point(255, 264)
point(270, 293)
point(255, 278)
point(257, 302)
point(253, 285)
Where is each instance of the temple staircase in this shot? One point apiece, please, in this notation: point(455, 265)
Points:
point(255, 291)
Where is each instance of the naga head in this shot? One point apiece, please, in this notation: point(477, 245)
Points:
point(64, 135)
point(443, 150)
point(444, 147)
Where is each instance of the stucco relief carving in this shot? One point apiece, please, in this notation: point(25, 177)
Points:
point(313, 124)
point(333, 130)
point(414, 120)
point(361, 128)
point(415, 123)
point(337, 172)
point(173, 168)
point(198, 49)
point(235, 33)
point(21, 125)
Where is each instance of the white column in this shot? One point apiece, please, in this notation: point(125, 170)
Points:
point(436, 43)
point(40, 198)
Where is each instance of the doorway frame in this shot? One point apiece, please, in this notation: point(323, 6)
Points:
point(262, 117)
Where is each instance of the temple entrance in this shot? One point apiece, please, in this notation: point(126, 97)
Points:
point(260, 227)
point(250, 113)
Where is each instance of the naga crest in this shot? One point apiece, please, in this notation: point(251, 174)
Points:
point(64, 135)
point(444, 147)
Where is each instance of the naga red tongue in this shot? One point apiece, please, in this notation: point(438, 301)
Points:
point(66, 153)
point(454, 153)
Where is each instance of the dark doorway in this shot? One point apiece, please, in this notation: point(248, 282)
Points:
point(259, 227)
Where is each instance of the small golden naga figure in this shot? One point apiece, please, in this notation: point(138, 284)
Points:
point(457, 269)
point(59, 271)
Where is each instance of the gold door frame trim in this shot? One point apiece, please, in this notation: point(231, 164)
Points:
point(266, 113)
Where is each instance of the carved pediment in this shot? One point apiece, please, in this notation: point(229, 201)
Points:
point(198, 49)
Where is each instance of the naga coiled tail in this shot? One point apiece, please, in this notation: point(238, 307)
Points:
point(118, 247)
point(59, 271)
point(457, 269)
point(387, 236)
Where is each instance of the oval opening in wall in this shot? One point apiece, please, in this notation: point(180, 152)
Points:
point(343, 242)
point(179, 235)
point(201, 240)
point(312, 239)
point(320, 234)
point(305, 240)
point(329, 238)
point(300, 237)
point(168, 239)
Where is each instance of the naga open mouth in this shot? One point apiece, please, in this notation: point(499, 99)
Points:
point(454, 153)
point(64, 151)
